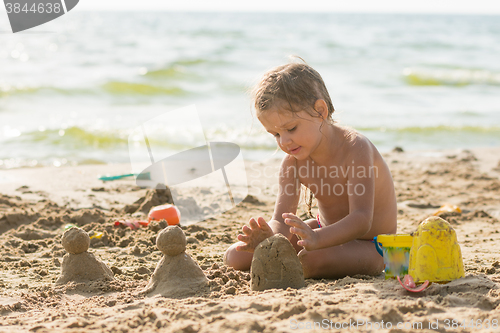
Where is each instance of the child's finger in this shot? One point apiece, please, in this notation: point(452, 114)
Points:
point(289, 216)
point(299, 232)
point(263, 224)
point(246, 230)
point(243, 238)
point(303, 242)
point(253, 224)
point(294, 222)
point(242, 247)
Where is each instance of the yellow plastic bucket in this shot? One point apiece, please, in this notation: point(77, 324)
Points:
point(395, 248)
point(436, 254)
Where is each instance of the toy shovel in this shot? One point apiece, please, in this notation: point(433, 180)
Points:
point(410, 285)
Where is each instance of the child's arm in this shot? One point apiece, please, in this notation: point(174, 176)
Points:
point(288, 196)
point(287, 201)
point(361, 195)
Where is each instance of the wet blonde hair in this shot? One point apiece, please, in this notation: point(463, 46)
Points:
point(297, 87)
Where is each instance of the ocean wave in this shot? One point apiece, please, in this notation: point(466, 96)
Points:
point(175, 70)
point(76, 145)
point(449, 77)
point(78, 138)
point(7, 90)
point(440, 129)
point(11, 90)
point(74, 137)
point(132, 88)
point(110, 87)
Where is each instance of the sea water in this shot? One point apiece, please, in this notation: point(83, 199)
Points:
point(72, 90)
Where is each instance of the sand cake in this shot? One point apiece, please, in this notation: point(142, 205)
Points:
point(275, 265)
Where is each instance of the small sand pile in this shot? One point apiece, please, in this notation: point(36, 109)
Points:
point(177, 274)
point(152, 198)
point(79, 265)
point(275, 265)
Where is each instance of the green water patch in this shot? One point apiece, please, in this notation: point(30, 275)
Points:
point(76, 137)
point(7, 91)
point(175, 72)
point(457, 77)
point(440, 129)
point(183, 69)
point(132, 88)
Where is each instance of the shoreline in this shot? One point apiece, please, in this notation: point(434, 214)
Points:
point(65, 181)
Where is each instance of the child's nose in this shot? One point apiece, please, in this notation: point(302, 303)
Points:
point(285, 139)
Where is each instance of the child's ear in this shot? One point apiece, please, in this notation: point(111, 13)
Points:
point(321, 107)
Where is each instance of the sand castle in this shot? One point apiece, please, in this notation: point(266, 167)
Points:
point(275, 265)
point(79, 265)
point(177, 274)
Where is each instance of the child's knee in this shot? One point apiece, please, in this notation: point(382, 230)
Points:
point(308, 265)
point(237, 259)
point(228, 255)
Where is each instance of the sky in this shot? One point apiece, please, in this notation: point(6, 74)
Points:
point(384, 6)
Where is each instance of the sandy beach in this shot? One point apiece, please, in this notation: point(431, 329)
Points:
point(36, 204)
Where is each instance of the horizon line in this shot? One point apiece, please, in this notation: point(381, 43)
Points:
point(173, 10)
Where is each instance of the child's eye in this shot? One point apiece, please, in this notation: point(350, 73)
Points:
point(292, 129)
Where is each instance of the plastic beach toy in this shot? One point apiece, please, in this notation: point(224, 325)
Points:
point(169, 213)
point(410, 285)
point(139, 176)
point(96, 235)
point(435, 254)
point(396, 252)
point(132, 224)
point(447, 208)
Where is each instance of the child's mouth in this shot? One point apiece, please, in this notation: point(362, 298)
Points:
point(295, 151)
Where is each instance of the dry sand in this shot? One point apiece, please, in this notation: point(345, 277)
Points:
point(35, 204)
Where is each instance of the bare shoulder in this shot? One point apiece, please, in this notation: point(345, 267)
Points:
point(358, 146)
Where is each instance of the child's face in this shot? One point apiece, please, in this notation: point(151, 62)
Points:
point(297, 133)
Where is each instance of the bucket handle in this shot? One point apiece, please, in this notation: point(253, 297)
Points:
point(377, 246)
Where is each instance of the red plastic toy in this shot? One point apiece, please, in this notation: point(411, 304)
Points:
point(169, 213)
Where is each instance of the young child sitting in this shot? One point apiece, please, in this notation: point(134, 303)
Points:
point(342, 168)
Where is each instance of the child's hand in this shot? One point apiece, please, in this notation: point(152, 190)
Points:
point(307, 236)
point(259, 230)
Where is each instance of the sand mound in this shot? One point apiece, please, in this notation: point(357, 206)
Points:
point(275, 265)
point(177, 274)
point(83, 267)
point(14, 214)
point(79, 265)
point(152, 198)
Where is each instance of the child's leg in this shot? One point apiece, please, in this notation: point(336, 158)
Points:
point(239, 260)
point(354, 257)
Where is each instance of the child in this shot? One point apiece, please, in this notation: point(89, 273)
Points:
point(342, 168)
